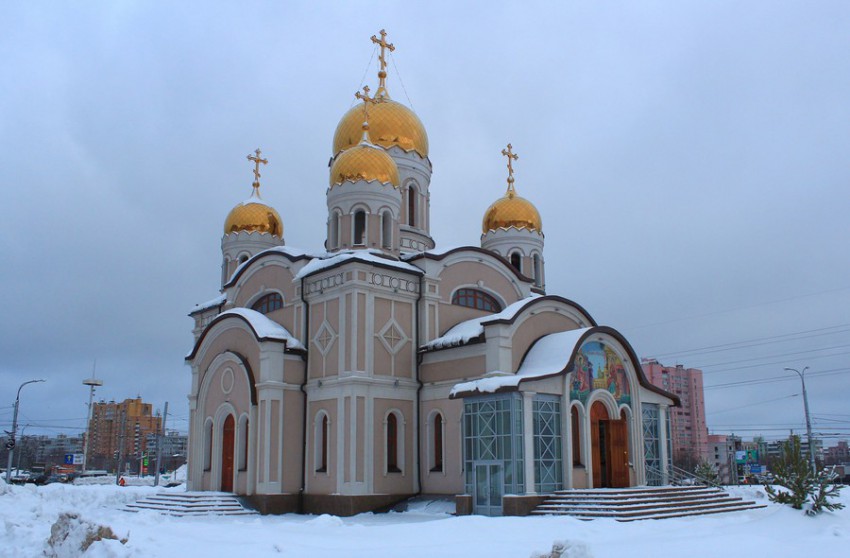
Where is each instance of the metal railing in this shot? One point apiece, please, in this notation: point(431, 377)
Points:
point(682, 477)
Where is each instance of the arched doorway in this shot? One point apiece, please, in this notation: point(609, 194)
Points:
point(227, 446)
point(610, 449)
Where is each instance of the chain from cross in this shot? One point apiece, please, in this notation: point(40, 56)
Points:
point(511, 157)
point(257, 161)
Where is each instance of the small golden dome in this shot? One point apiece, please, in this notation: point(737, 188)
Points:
point(512, 211)
point(390, 123)
point(364, 162)
point(253, 215)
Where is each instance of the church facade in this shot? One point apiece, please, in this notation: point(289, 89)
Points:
point(347, 379)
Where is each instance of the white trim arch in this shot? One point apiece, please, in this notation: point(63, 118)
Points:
point(278, 261)
point(243, 443)
point(265, 291)
point(334, 227)
point(221, 413)
point(475, 286)
point(355, 210)
point(399, 442)
point(321, 443)
point(431, 454)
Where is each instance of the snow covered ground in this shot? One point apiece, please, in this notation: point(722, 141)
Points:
point(28, 512)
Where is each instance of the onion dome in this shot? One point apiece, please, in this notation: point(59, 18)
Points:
point(391, 124)
point(511, 210)
point(253, 215)
point(365, 162)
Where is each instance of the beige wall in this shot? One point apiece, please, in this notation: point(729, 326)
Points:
point(533, 329)
point(450, 479)
point(454, 369)
point(322, 482)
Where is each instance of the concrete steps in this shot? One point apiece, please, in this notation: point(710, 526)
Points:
point(630, 504)
point(183, 504)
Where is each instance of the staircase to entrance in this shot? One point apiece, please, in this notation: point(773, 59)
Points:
point(191, 504)
point(630, 504)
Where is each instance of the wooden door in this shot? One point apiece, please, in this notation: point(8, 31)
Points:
point(227, 445)
point(617, 453)
point(598, 414)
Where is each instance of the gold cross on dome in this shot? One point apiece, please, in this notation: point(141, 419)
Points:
point(365, 95)
point(382, 73)
point(511, 158)
point(257, 161)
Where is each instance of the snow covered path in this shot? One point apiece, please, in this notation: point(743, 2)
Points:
point(28, 512)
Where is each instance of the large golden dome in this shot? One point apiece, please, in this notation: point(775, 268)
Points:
point(390, 123)
point(365, 162)
point(253, 215)
point(512, 211)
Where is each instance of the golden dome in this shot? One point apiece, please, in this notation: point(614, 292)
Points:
point(390, 123)
point(364, 162)
point(512, 211)
point(253, 215)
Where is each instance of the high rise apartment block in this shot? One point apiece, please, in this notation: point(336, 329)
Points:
point(688, 429)
point(116, 425)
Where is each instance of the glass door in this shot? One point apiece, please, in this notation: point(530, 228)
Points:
point(489, 488)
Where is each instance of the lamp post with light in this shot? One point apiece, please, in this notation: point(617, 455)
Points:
point(10, 445)
point(808, 419)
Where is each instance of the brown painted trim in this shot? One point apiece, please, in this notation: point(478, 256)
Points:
point(257, 257)
point(221, 318)
point(251, 380)
point(502, 260)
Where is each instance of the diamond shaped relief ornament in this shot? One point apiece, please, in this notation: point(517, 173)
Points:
point(325, 338)
point(393, 337)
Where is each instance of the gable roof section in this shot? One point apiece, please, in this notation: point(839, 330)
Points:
point(552, 355)
point(263, 328)
point(438, 255)
point(472, 331)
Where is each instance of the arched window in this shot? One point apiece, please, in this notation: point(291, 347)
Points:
point(411, 206)
point(242, 454)
point(322, 444)
point(333, 231)
point(359, 227)
point(392, 444)
point(516, 261)
point(386, 229)
point(576, 436)
point(473, 298)
point(538, 280)
point(268, 303)
point(243, 258)
point(208, 432)
point(437, 443)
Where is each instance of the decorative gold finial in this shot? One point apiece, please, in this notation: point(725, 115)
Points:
point(382, 73)
point(366, 100)
point(511, 157)
point(257, 161)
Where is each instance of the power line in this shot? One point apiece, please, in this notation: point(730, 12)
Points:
point(757, 341)
point(757, 381)
point(754, 404)
point(782, 355)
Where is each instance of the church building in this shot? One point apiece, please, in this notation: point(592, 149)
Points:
point(381, 367)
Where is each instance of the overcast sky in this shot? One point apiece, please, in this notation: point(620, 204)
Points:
point(689, 160)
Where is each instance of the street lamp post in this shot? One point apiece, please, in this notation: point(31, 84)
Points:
point(808, 418)
point(11, 443)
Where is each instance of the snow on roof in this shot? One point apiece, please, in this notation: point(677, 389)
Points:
point(465, 332)
point(217, 301)
point(264, 327)
point(369, 256)
point(549, 355)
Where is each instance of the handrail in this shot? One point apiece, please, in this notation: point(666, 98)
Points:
point(678, 477)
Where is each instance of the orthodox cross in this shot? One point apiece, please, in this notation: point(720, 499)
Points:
point(511, 158)
point(382, 74)
point(257, 161)
point(366, 100)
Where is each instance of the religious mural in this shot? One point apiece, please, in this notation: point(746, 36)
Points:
point(599, 367)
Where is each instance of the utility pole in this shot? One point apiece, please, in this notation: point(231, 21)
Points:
point(159, 441)
point(10, 445)
point(120, 447)
point(92, 383)
point(808, 418)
